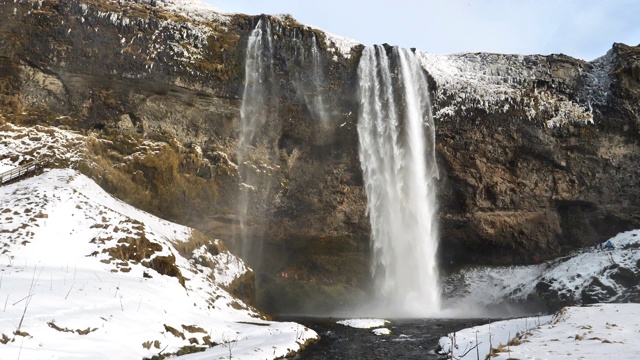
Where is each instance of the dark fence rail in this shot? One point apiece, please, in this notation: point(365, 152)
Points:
point(21, 171)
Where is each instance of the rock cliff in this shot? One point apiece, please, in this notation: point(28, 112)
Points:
point(537, 151)
point(537, 154)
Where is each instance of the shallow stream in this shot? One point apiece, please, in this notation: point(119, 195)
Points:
point(409, 339)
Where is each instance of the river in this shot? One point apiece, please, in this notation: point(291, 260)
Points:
point(409, 339)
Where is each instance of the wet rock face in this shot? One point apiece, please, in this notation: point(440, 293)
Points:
point(537, 154)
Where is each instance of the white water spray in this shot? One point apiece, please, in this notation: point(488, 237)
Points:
point(258, 70)
point(397, 154)
point(310, 83)
point(253, 112)
point(316, 100)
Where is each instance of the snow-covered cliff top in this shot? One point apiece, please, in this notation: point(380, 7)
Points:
point(193, 9)
point(200, 11)
point(498, 83)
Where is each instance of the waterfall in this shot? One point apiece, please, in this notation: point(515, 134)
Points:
point(253, 112)
point(309, 83)
point(316, 101)
point(397, 155)
point(258, 72)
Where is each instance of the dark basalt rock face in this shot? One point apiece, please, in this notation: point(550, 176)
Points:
point(521, 186)
point(537, 154)
point(527, 190)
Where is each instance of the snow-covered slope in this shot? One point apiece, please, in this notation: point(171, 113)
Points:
point(586, 276)
point(20, 144)
point(83, 275)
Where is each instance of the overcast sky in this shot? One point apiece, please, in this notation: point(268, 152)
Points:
point(585, 29)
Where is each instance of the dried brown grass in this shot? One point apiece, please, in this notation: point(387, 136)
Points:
point(166, 265)
point(170, 182)
point(196, 241)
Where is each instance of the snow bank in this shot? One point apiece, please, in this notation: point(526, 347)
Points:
point(70, 289)
point(603, 331)
point(569, 276)
point(468, 343)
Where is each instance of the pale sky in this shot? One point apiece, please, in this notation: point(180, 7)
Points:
point(584, 29)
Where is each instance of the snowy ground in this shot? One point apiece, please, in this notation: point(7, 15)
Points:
point(570, 276)
point(602, 331)
point(68, 288)
point(19, 144)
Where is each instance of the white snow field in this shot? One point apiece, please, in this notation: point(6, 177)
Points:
point(598, 331)
point(70, 286)
point(601, 331)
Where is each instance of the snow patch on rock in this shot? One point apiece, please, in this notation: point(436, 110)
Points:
point(381, 331)
point(19, 145)
point(363, 323)
point(499, 83)
point(338, 45)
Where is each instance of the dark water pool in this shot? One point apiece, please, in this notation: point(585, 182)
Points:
point(409, 339)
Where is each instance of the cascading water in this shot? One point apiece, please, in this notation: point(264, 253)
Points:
point(397, 154)
point(316, 100)
point(255, 150)
point(258, 71)
point(253, 112)
point(309, 83)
